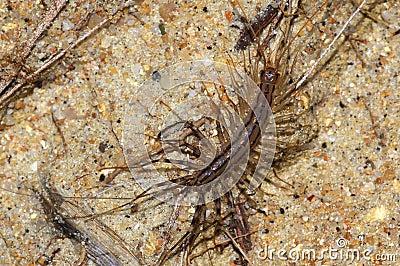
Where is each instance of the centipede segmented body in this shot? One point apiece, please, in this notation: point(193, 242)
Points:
point(237, 228)
point(230, 219)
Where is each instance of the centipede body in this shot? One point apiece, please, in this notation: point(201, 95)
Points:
point(234, 233)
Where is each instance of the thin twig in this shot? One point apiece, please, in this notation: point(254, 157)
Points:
point(28, 46)
point(316, 63)
point(55, 122)
point(6, 93)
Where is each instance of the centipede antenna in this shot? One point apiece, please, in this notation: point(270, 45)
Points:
point(17, 193)
point(236, 244)
point(312, 68)
point(297, 34)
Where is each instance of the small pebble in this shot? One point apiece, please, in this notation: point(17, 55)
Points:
point(388, 16)
point(34, 166)
point(156, 76)
point(67, 25)
point(9, 120)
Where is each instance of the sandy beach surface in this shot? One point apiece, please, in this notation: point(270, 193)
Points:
point(346, 186)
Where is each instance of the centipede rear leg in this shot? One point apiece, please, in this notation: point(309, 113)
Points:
point(185, 243)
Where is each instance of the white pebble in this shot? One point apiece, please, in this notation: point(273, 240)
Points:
point(43, 143)
point(388, 16)
point(67, 25)
point(34, 166)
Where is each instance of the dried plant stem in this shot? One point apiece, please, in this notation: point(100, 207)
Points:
point(28, 45)
point(8, 90)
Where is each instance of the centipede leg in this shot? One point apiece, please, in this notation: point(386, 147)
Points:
point(219, 223)
point(187, 240)
point(239, 226)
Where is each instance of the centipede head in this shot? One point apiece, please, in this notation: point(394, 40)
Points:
point(269, 75)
